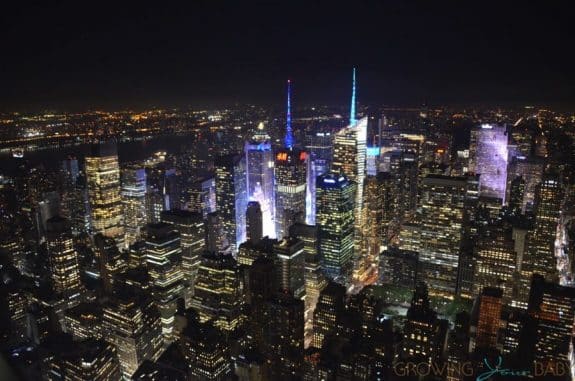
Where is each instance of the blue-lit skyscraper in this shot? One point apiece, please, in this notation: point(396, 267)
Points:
point(290, 176)
point(260, 177)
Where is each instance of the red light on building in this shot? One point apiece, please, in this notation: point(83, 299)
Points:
point(302, 156)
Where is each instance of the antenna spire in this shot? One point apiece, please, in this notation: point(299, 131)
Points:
point(288, 140)
point(352, 119)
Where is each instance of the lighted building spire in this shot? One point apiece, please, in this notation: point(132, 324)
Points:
point(352, 119)
point(288, 140)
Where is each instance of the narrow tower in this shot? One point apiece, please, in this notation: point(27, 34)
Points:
point(352, 119)
point(288, 141)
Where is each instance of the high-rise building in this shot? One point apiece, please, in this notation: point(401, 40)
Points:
point(378, 212)
point(63, 259)
point(260, 177)
point(84, 321)
point(164, 259)
point(231, 197)
point(489, 319)
point(103, 179)
point(315, 280)
point(398, 267)
point(330, 305)
point(488, 157)
point(192, 231)
point(250, 251)
point(215, 239)
point(423, 332)
point(516, 195)
point(74, 196)
point(134, 327)
point(349, 159)
point(458, 348)
point(539, 256)
point(552, 310)
point(495, 262)
point(89, 360)
point(110, 260)
point(290, 266)
point(218, 294)
point(319, 146)
point(290, 186)
point(285, 336)
point(205, 351)
point(531, 171)
point(335, 222)
point(254, 221)
point(134, 202)
point(438, 236)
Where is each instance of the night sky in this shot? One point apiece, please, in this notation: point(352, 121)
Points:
point(73, 55)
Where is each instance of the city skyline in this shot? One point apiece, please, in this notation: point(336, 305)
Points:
point(351, 217)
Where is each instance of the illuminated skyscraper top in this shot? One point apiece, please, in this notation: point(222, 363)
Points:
point(288, 141)
point(352, 119)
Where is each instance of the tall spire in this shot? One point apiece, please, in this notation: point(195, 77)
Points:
point(352, 109)
point(288, 140)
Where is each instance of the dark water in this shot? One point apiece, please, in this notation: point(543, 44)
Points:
point(127, 151)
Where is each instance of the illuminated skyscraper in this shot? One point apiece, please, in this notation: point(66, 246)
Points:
point(84, 321)
point(218, 295)
point(89, 360)
point(319, 146)
point(215, 238)
point(254, 222)
point(74, 196)
point(285, 336)
point(205, 351)
point(552, 310)
point(103, 179)
point(290, 180)
point(539, 256)
point(260, 177)
point(423, 332)
point(290, 185)
point(110, 260)
point(349, 159)
point(134, 202)
point(489, 320)
point(495, 262)
point(335, 222)
point(164, 258)
point(290, 266)
point(516, 194)
point(315, 280)
point(192, 231)
point(438, 236)
point(231, 197)
point(531, 171)
point(488, 157)
point(134, 327)
point(330, 304)
point(63, 260)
